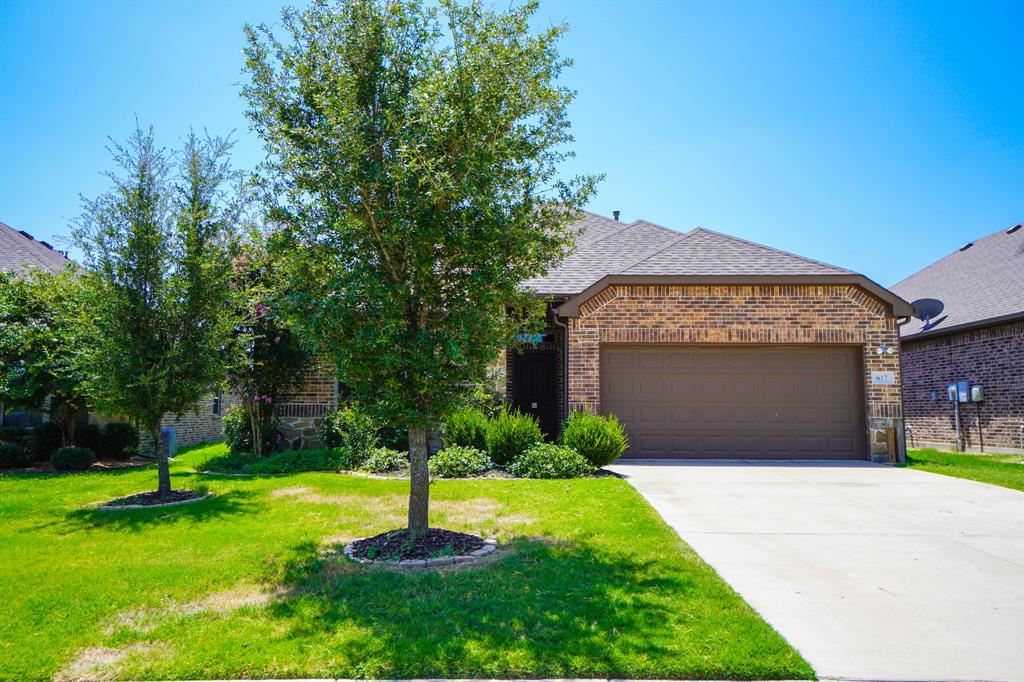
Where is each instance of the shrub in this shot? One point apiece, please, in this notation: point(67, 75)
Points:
point(14, 434)
point(237, 429)
point(394, 437)
point(89, 436)
point(350, 428)
point(13, 456)
point(385, 461)
point(120, 441)
point(466, 427)
point(511, 433)
point(599, 439)
point(72, 458)
point(484, 398)
point(459, 462)
point(46, 438)
point(545, 460)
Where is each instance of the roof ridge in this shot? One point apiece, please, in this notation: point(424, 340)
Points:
point(625, 226)
point(682, 236)
point(770, 248)
point(955, 251)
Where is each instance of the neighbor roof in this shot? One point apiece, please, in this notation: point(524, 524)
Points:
point(20, 250)
point(980, 283)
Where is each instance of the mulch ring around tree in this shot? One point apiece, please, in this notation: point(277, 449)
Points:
point(435, 547)
point(153, 498)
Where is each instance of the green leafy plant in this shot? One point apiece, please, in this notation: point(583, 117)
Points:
point(600, 439)
point(72, 458)
point(459, 462)
point(350, 428)
point(511, 433)
point(14, 434)
point(545, 460)
point(120, 441)
point(45, 438)
point(13, 456)
point(385, 461)
point(466, 427)
point(414, 181)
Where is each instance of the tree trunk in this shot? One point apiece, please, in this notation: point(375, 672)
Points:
point(419, 482)
point(163, 466)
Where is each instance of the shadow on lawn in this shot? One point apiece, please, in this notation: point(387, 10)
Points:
point(551, 609)
point(218, 506)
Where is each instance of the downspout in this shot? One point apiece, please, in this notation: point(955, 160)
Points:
point(565, 363)
point(901, 430)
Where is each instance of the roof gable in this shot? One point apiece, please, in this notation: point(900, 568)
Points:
point(980, 283)
point(19, 250)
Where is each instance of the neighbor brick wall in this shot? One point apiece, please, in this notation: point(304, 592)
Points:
point(316, 398)
point(990, 356)
point(782, 314)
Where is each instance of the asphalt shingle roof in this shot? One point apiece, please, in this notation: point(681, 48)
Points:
point(18, 251)
point(607, 247)
point(984, 281)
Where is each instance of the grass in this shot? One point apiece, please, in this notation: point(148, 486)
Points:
point(1003, 470)
point(590, 583)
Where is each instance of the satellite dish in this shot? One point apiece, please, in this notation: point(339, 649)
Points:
point(927, 308)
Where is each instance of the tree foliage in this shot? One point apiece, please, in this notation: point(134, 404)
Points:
point(41, 334)
point(414, 182)
point(156, 247)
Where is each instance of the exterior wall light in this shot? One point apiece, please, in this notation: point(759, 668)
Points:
point(885, 350)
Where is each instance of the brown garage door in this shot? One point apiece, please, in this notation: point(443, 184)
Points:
point(766, 402)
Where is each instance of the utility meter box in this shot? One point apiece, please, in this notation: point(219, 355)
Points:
point(963, 392)
point(951, 392)
point(170, 440)
point(977, 394)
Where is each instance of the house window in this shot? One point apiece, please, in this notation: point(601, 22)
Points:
point(218, 397)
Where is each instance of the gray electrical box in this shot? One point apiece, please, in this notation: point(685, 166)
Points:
point(963, 392)
point(977, 394)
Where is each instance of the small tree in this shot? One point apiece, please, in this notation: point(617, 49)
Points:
point(155, 245)
point(413, 174)
point(40, 335)
point(267, 362)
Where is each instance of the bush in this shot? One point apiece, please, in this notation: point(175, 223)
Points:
point(46, 438)
point(385, 461)
point(484, 398)
point(72, 458)
point(545, 460)
point(89, 436)
point(237, 430)
point(466, 427)
point(14, 434)
point(599, 439)
point(510, 434)
point(350, 428)
point(394, 437)
point(13, 456)
point(120, 441)
point(459, 462)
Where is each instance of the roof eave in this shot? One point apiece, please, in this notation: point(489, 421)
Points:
point(963, 327)
point(900, 308)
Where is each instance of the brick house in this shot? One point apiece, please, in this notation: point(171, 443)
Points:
point(18, 251)
point(706, 346)
point(973, 334)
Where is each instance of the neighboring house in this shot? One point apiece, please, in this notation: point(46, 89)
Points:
point(974, 334)
point(20, 251)
point(705, 346)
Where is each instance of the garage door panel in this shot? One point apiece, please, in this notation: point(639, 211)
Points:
point(746, 402)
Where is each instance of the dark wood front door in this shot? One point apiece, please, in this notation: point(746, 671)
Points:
point(535, 387)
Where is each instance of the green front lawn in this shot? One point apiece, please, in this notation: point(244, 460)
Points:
point(591, 583)
point(1004, 470)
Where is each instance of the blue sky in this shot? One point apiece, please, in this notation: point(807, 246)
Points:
point(877, 136)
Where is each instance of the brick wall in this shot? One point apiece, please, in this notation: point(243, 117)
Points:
point(316, 398)
point(991, 356)
point(780, 314)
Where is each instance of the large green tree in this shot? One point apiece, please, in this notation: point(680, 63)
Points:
point(41, 334)
point(413, 183)
point(156, 247)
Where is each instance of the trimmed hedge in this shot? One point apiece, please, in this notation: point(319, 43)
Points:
point(466, 427)
point(545, 460)
point(459, 462)
point(72, 458)
point(599, 439)
point(509, 434)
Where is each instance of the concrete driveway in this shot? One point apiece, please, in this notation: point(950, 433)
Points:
point(871, 572)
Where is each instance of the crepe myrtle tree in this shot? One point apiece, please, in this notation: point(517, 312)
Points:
point(41, 332)
point(413, 179)
point(267, 361)
point(156, 250)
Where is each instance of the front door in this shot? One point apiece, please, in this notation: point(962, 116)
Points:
point(535, 387)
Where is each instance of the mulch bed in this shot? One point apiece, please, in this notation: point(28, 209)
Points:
point(396, 545)
point(154, 499)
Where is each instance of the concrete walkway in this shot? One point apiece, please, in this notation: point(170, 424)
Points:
point(871, 572)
